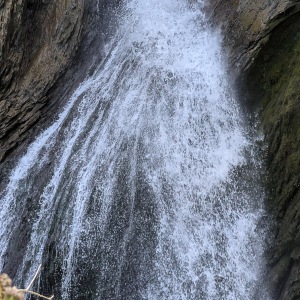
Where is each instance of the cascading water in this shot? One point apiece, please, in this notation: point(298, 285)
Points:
point(143, 187)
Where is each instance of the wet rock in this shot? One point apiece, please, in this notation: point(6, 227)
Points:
point(263, 42)
point(248, 24)
point(274, 80)
point(38, 40)
point(46, 49)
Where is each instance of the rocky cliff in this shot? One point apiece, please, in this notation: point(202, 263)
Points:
point(48, 46)
point(262, 39)
point(38, 39)
point(45, 48)
point(248, 25)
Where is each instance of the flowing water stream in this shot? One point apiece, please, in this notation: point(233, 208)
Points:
point(145, 187)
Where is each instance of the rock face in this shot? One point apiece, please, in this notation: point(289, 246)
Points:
point(38, 39)
point(45, 48)
point(274, 79)
point(248, 24)
point(262, 39)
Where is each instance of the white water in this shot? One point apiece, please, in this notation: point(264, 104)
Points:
point(139, 185)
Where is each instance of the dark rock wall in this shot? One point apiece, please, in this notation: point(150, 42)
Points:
point(262, 39)
point(274, 81)
point(38, 39)
point(46, 49)
point(247, 25)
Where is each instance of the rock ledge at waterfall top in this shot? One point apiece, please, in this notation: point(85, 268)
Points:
point(262, 39)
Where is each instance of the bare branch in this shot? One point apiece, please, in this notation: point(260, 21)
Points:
point(27, 290)
point(36, 294)
point(34, 277)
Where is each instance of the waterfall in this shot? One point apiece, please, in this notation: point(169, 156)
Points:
point(145, 186)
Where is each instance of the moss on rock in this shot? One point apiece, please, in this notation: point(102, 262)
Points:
point(274, 82)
